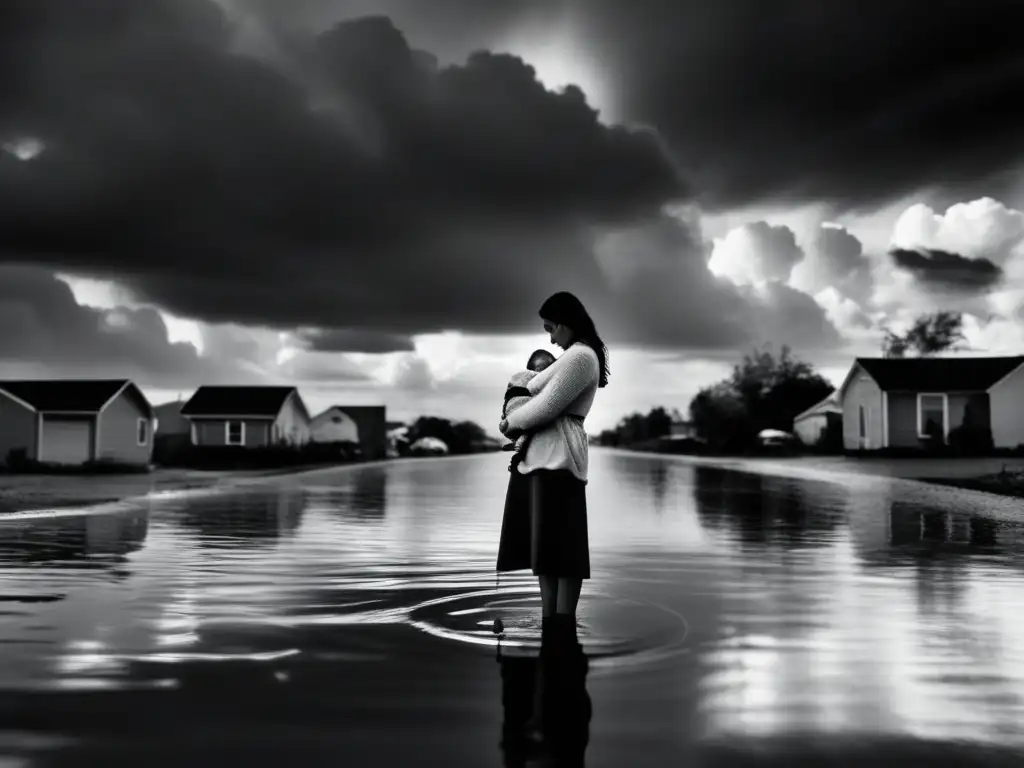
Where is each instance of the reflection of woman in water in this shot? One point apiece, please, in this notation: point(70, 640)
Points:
point(546, 706)
point(545, 523)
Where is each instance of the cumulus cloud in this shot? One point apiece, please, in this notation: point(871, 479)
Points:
point(969, 258)
point(835, 260)
point(979, 229)
point(755, 253)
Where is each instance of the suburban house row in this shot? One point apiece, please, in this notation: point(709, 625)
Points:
point(888, 403)
point(77, 421)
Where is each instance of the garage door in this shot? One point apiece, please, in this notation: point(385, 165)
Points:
point(67, 441)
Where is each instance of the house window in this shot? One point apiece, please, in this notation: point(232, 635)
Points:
point(932, 415)
point(863, 423)
point(234, 433)
point(142, 432)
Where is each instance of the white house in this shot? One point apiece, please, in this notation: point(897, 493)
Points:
point(904, 403)
point(334, 426)
point(810, 425)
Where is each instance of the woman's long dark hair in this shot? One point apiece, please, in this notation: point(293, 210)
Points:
point(565, 309)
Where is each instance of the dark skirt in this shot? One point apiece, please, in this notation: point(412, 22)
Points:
point(544, 527)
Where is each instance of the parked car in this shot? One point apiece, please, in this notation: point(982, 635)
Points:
point(429, 446)
point(777, 441)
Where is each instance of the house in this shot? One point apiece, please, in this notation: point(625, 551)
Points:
point(75, 421)
point(169, 420)
point(363, 424)
point(902, 403)
point(251, 417)
point(813, 423)
point(334, 426)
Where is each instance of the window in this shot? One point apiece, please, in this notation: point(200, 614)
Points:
point(932, 416)
point(142, 432)
point(234, 433)
point(863, 423)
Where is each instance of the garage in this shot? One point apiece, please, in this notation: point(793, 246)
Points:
point(66, 441)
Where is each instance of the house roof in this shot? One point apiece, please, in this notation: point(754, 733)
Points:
point(829, 405)
point(261, 402)
point(64, 395)
point(939, 374)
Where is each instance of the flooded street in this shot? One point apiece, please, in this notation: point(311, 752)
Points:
point(344, 618)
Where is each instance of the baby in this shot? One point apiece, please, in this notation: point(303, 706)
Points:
point(516, 395)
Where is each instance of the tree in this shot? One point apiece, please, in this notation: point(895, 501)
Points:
point(460, 436)
point(638, 427)
point(929, 334)
point(764, 391)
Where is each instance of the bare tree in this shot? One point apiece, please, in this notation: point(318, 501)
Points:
point(929, 335)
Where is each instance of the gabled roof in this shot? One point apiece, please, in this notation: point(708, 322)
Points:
point(938, 374)
point(829, 405)
point(65, 395)
point(259, 402)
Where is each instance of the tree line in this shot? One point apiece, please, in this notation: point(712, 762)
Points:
point(766, 390)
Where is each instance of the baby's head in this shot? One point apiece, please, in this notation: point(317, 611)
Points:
point(540, 360)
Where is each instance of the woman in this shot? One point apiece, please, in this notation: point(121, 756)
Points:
point(545, 524)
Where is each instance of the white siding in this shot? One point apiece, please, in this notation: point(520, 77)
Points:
point(291, 425)
point(335, 426)
point(863, 390)
point(809, 428)
point(1006, 401)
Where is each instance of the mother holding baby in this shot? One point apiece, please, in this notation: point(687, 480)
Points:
point(545, 520)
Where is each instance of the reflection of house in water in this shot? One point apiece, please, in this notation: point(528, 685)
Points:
point(99, 540)
point(248, 518)
point(360, 496)
point(937, 529)
point(890, 532)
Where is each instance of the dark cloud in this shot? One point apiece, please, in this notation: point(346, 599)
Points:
point(943, 269)
point(836, 259)
point(844, 102)
point(321, 369)
point(410, 199)
point(348, 181)
point(847, 102)
point(788, 316)
point(347, 340)
point(44, 332)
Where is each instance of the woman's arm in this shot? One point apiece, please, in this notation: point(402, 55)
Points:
point(536, 384)
point(576, 369)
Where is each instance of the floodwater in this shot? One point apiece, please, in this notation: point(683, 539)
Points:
point(344, 618)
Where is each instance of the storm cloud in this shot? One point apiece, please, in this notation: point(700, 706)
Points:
point(43, 328)
point(948, 270)
point(348, 183)
point(852, 103)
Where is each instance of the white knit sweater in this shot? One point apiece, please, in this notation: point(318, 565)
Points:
point(567, 386)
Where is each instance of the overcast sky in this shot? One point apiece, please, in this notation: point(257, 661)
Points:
point(372, 199)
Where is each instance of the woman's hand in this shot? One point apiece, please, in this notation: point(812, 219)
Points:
point(511, 434)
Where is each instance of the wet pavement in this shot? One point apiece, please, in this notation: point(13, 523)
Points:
point(344, 618)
